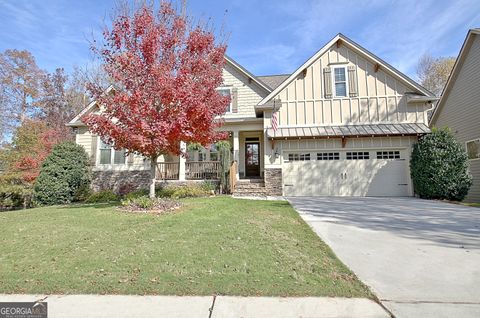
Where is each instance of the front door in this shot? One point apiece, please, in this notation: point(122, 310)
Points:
point(252, 159)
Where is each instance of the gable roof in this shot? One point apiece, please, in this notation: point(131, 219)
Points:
point(346, 41)
point(77, 120)
point(247, 73)
point(467, 44)
point(273, 81)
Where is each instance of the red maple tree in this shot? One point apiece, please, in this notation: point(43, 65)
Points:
point(165, 69)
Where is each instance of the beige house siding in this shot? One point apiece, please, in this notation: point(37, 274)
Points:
point(461, 109)
point(84, 138)
point(249, 93)
point(380, 95)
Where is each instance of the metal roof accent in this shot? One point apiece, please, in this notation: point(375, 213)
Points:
point(349, 130)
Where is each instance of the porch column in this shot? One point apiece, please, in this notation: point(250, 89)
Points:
point(181, 167)
point(236, 151)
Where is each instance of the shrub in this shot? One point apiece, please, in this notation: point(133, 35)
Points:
point(208, 186)
point(14, 196)
point(135, 194)
point(64, 175)
point(102, 196)
point(185, 191)
point(147, 204)
point(15, 192)
point(439, 167)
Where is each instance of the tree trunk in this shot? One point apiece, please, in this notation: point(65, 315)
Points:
point(153, 168)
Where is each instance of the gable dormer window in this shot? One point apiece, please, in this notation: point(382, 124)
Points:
point(226, 91)
point(340, 81)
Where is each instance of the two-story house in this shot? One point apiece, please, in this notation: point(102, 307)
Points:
point(342, 124)
point(459, 107)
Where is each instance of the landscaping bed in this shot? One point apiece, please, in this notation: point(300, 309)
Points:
point(208, 246)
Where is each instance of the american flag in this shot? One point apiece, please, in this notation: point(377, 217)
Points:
point(275, 120)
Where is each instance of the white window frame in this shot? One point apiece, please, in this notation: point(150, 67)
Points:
point(112, 157)
point(347, 88)
point(466, 149)
point(230, 90)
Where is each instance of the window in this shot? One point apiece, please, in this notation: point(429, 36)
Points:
point(473, 149)
point(213, 153)
point(298, 157)
point(105, 153)
point(202, 155)
point(119, 157)
point(226, 92)
point(328, 156)
point(358, 155)
point(340, 81)
point(388, 154)
point(108, 155)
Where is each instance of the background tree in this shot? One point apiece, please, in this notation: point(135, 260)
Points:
point(166, 69)
point(60, 99)
point(31, 144)
point(439, 167)
point(19, 87)
point(433, 72)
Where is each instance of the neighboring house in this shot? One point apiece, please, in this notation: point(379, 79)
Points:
point(346, 122)
point(459, 106)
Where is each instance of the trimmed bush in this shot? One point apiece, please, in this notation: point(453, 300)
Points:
point(102, 197)
point(184, 191)
point(439, 167)
point(135, 194)
point(64, 176)
point(208, 186)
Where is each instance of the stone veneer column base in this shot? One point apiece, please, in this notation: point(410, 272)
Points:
point(115, 180)
point(273, 181)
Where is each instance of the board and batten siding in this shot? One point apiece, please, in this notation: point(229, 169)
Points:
point(461, 109)
point(380, 97)
point(248, 93)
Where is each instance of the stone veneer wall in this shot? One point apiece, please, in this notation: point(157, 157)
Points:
point(114, 180)
point(273, 181)
point(134, 180)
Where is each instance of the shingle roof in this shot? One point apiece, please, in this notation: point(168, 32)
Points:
point(273, 81)
point(349, 130)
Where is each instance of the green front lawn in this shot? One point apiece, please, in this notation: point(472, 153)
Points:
point(476, 205)
point(211, 246)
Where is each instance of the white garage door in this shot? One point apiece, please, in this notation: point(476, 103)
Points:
point(346, 173)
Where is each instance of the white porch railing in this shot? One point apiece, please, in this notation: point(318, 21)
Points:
point(194, 170)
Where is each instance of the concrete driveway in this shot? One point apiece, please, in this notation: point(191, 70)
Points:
point(421, 258)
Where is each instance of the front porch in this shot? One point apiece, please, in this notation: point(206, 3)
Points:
point(247, 150)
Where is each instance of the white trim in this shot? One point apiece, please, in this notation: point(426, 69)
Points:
point(478, 153)
point(112, 157)
point(299, 70)
point(247, 73)
point(347, 88)
point(89, 107)
point(355, 46)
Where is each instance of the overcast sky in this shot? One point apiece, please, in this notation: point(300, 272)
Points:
point(266, 37)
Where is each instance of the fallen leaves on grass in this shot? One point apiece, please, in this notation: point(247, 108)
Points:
point(145, 205)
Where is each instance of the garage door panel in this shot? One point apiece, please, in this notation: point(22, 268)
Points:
point(362, 177)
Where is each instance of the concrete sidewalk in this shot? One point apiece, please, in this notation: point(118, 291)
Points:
point(99, 306)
